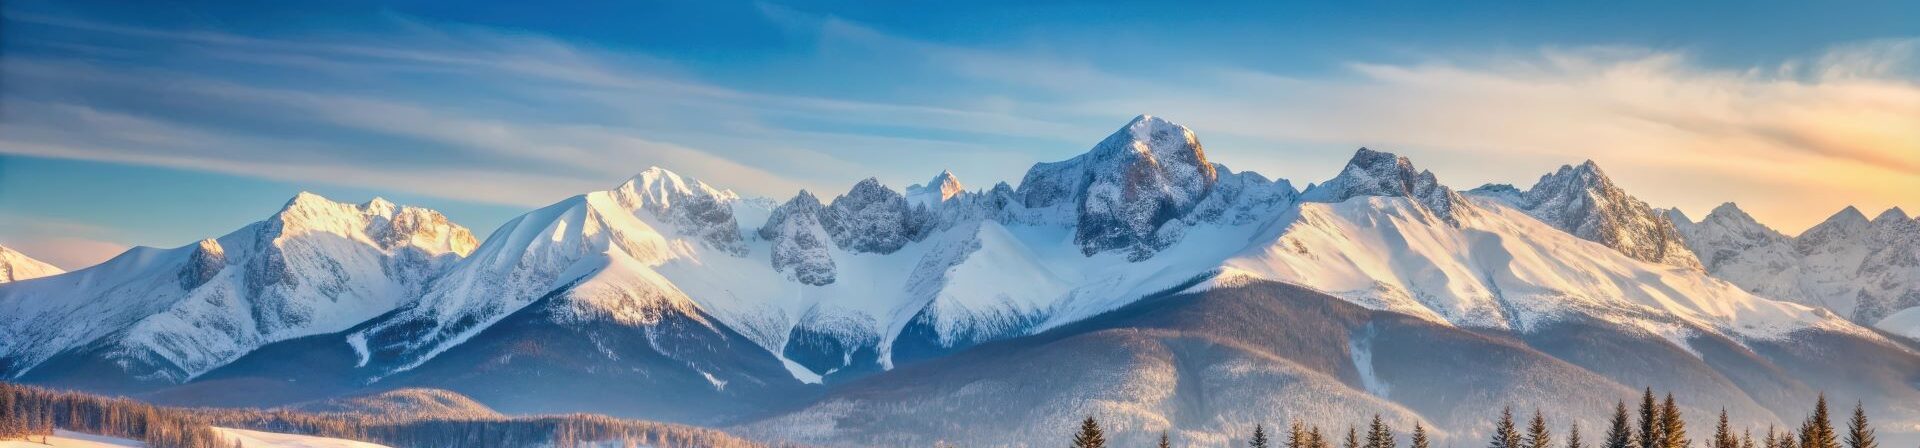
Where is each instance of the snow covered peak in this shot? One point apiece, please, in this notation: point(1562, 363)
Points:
point(939, 190)
point(1846, 222)
point(1583, 201)
point(1119, 193)
point(693, 207)
point(316, 266)
point(657, 189)
point(1729, 210)
point(16, 266)
point(1892, 215)
point(1377, 173)
point(377, 221)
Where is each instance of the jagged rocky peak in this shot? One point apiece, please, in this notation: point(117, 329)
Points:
point(1893, 216)
point(207, 260)
point(386, 225)
point(691, 206)
point(1119, 193)
point(942, 188)
point(1377, 173)
point(1848, 223)
point(873, 218)
point(1583, 201)
point(800, 240)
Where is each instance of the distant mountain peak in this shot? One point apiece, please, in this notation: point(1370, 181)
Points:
point(943, 187)
point(1379, 173)
point(16, 266)
point(1583, 201)
point(1894, 214)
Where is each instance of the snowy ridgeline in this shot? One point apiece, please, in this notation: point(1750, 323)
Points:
point(875, 277)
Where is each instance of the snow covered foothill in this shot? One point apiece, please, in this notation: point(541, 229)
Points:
point(251, 438)
point(68, 439)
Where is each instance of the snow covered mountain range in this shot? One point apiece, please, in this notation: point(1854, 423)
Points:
point(1865, 269)
point(666, 297)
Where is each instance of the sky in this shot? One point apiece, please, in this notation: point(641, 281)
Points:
point(161, 123)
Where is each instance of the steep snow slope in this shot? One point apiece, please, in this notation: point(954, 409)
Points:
point(316, 266)
point(1500, 268)
point(16, 266)
point(1860, 268)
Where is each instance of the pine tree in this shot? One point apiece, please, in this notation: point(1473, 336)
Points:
point(1164, 442)
point(1315, 439)
point(1259, 439)
point(1771, 440)
point(1504, 435)
point(1537, 434)
point(1619, 435)
point(1746, 439)
point(1379, 435)
point(1573, 437)
point(1353, 438)
point(1674, 432)
point(1723, 434)
point(1818, 431)
point(1651, 429)
point(1419, 436)
point(1859, 432)
point(1297, 435)
point(1089, 435)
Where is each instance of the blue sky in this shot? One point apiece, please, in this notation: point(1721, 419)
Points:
point(160, 123)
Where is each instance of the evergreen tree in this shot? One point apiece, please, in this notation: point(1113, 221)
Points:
point(1379, 435)
point(1619, 435)
point(1259, 439)
point(1315, 439)
point(1789, 440)
point(1164, 442)
point(1353, 438)
point(1297, 435)
point(1818, 431)
point(1723, 434)
point(1651, 429)
point(1746, 439)
point(1504, 435)
point(1573, 437)
point(1859, 432)
point(1089, 435)
point(1674, 430)
point(1771, 440)
point(1537, 434)
point(1419, 436)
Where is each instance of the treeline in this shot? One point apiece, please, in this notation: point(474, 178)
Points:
point(32, 412)
point(1656, 424)
point(28, 412)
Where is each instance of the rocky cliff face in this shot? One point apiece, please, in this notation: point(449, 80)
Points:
point(1375, 173)
point(1119, 194)
point(1583, 201)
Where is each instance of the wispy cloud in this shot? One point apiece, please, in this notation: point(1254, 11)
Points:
point(487, 115)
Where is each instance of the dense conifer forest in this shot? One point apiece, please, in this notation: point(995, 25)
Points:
point(1656, 424)
point(32, 413)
